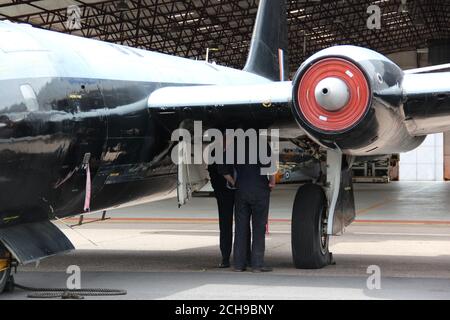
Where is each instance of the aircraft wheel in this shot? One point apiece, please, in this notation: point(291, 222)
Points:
point(309, 228)
point(5, 273)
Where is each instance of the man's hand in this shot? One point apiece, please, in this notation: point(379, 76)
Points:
point(272, 182)
point(230, 180)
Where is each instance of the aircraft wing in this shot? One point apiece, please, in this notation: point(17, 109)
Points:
point(221, 95)
point(438, 68)
point(426, 97)
point(425, 93)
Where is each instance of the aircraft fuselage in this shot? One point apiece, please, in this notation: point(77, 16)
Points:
point(64, 97)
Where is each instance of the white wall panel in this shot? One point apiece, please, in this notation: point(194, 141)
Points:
point(425, 163)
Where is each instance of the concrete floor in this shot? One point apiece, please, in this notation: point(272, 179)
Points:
point(157, 251)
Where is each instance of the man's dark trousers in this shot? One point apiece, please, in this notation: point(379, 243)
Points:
point(225, 204)
point(254, 207)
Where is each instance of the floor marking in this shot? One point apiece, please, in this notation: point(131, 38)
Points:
point(156, 231)
point(430, 222)
point(402, 234)
point(276, 220)
point(158, 219)
point(385, 201)
point(375, 206)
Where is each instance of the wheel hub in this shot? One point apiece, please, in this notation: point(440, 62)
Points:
point(5, 260)
point(323, 231)
point(4, 264)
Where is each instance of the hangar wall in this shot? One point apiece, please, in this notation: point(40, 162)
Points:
point(425, 163)
point(440, 54)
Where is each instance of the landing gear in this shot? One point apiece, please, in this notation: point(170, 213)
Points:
point(5, 269)
point(321, 211)
point(309, 228)
point(4, 278)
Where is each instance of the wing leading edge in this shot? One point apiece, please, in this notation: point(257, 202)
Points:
point(438, 68)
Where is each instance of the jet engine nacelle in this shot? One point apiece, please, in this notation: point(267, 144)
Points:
point(350, 98)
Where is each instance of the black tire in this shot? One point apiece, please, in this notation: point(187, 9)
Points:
point(10, 284)
point(308, 234)
point(4, 275)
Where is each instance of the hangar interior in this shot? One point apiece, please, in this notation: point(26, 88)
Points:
point(222, 31)
point(413, 33)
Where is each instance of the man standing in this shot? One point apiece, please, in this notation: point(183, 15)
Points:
point(225, 203)
point(252, 200)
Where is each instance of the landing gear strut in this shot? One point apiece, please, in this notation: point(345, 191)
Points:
point(321, 211)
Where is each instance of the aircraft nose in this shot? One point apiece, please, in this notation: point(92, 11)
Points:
point(332, 94)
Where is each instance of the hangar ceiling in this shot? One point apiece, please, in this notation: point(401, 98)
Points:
point(186, 28)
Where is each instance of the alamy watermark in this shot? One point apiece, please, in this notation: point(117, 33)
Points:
point(74, 280)
point(374, 280)
point(230, 147)
point(73, 18)
point(375, 13)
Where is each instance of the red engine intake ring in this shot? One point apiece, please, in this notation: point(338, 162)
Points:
point(347, 116)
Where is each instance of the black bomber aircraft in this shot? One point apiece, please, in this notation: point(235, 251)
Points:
point(74, 110)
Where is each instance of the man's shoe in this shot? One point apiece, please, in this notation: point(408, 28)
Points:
point(224, 265)
point(262, 269)
point(239, 269)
